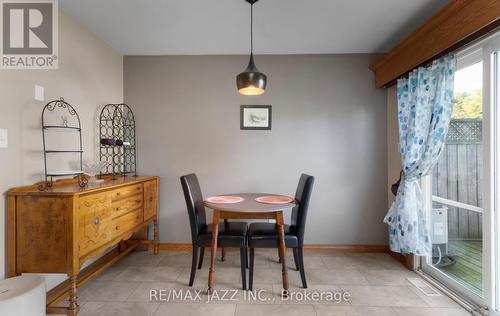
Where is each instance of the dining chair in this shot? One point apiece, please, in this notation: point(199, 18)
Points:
point(231, 234)
point(265, 235)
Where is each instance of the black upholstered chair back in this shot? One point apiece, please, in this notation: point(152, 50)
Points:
point(299, 212)
point(194, 203)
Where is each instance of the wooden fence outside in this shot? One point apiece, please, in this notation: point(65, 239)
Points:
point(458, 177)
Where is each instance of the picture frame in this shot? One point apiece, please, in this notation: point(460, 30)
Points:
point(255, 117)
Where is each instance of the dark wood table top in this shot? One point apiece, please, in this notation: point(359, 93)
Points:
point(249, 204)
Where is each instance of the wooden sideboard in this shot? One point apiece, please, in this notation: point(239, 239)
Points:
point(58, 229)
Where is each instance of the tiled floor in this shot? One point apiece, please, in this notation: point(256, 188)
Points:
point(376, 283)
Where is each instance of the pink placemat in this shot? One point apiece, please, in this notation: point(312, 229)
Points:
point(274, 199)
point(224, 199)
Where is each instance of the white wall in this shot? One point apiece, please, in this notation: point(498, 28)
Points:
point(329, 120)
point(90, 74)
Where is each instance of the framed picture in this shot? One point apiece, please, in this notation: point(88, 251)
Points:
point(257, 117)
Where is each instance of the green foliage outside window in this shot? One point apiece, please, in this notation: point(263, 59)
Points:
point(468, 105)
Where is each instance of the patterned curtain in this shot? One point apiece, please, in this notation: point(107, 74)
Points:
point(424, 114)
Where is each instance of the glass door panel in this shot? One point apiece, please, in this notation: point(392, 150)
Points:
point(456, 214)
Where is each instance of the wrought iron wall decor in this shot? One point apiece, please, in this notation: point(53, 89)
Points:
point(117, 139)
point(63, 111)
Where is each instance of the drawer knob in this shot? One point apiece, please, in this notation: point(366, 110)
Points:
point(151, 199)
point(138, 201)
point(117, 208)
point(117, 227)
point(97, 221)
point(118, 193)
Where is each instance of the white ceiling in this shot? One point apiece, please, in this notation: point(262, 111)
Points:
point(193, 27)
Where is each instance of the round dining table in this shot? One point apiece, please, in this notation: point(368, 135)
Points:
point(249, 208)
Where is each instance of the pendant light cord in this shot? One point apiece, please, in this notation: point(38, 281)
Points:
point(251, 29)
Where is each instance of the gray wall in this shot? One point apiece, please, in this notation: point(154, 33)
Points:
point(328, 121)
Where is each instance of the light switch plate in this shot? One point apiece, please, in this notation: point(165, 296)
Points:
point(39, 93)
point(4, 143)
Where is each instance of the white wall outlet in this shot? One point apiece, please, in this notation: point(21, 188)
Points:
point(39, 93)
point(4, 140)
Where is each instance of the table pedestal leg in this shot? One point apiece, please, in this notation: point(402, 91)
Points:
point(213, 250)
point(282, 249)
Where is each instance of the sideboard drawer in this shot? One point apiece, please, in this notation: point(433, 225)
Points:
point(126, 191)
point(95, 216)
point(126, 222)
point(126, 205)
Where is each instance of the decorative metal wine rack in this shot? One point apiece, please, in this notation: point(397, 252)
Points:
point(117, 122)
point(60, 109)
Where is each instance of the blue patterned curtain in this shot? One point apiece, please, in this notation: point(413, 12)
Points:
point(424, 114)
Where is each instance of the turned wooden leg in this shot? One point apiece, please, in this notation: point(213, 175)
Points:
point(156, 245)
point(73, 308)
point(213, 250)
point(282, 248)
point(223, 254)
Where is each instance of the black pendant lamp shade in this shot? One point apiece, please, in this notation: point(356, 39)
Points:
point(251, 81)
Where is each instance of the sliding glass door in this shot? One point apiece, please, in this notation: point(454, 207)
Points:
point(460, 192)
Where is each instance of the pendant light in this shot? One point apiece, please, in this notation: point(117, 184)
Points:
point(251, 81)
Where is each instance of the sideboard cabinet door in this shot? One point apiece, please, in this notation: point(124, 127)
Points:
point(95, 221)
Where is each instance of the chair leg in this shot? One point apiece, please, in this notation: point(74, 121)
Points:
point(279, 255)
point(202, 253)
point(250, 272)
point(246, 250)
point(243, 262)
point(193, 265)
point(296, 259)
point(300, 255)
point(223, 255)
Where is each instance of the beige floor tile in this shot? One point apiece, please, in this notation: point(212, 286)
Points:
point(195, 309)
point(388, 277)
point(314, 262)
point(118, 309)
point(335, 277)
point(351, 262)
point(310, 262)
point(111, 273)
point(175, 259)
point(106, 291)
point(327, 310)
point(148, 273)
point(415, 311)
point(225, 277)
point(274, 310)
point(273, 276)
point(376, 283)
point(386, 261)
point(142, 258)
point(436, 301)
point(383, 296)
